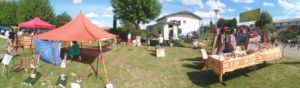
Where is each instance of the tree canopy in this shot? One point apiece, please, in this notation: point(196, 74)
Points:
point(28, 9)
point(265, 24)
point(136, 11)
point(8, 13)
point(228, 23)
point(16, 11)
point(265, 18)
point(62, 19)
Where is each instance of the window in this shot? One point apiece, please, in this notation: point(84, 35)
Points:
point(184, 21)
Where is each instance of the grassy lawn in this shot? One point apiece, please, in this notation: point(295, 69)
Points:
point(137, 67)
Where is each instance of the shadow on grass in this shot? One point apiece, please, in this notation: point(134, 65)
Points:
point(88, 55)
point(197, 63)
point(291, 63)
point(205, 78)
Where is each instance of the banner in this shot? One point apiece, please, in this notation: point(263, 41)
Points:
point(252, 15)
point(48, 51)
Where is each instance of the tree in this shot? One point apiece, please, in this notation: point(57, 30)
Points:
point(136, 11)
point(29, 9)
point(265, 19)
point(228, 23)
point(8, 13)
point(62, 19)
point(114, 29)
point(288, 34)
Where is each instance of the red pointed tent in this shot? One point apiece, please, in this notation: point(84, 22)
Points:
point(79, 29)
point(36, 23)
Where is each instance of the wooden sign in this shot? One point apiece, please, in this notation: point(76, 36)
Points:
point(160, 52)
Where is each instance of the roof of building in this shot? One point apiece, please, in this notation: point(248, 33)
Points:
point(286, 20)
point(181, 12)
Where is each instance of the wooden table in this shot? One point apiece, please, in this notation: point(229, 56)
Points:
point(229, 65)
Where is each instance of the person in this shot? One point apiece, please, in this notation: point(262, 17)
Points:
point(129, 38)
point(230, 41)
point(148, 41)
point(20, 33)
point(74, 50)
point(11, 37)
point(160, 40)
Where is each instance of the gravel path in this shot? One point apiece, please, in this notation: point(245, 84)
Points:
point(291, 52)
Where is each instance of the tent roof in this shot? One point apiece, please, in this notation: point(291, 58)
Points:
point(36, 23)
point(79, 29)
point(4, 28)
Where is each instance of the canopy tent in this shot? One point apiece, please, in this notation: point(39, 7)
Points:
point(79, 29)
point(36, 23)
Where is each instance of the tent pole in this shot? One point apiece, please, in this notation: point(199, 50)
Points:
point(99, 50)
point(80, 51)
point(103, 64)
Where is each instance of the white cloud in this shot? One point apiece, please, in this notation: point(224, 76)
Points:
point(215, 4)
point(288, 6)
point(247, 8)
point(92, 15)
point(193, 2)
point(77, 1)
point(268, 4)
point(166, 0)
point(207, 16)
point(230, 10)
point(243, 1)
point(291, 10)
point(98, 23)
point(107, 12)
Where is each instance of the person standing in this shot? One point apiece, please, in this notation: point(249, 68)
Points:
point(11, 37)
point(129, 38)
point(160, 40)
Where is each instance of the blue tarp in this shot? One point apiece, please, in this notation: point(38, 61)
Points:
point(4, 28)
point(49, 51)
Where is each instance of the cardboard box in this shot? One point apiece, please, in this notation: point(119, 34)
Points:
point(160, 52)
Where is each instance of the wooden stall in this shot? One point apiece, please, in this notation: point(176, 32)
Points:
point(229, 64)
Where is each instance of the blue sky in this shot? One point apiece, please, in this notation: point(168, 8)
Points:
point(100, 11)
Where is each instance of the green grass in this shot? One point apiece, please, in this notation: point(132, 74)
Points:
point(137, 67)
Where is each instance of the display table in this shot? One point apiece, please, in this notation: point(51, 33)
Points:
point(220, 67)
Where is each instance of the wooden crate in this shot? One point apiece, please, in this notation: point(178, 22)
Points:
point(26, 41)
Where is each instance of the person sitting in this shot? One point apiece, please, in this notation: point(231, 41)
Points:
point(74, 50)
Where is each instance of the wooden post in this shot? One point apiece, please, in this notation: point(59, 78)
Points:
point(103, 62)
point(99, 49)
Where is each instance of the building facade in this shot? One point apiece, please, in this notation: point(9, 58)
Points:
point(187, 22)
point(286, 24)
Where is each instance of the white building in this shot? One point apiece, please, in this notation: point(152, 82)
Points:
point(188, 22)
point(286, 24)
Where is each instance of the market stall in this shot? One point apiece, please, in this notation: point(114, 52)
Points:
point(30, 28)
point(221, 64)
point(79, 29)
